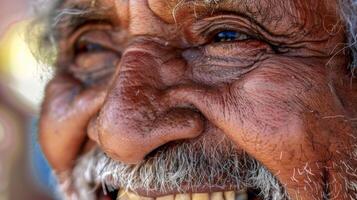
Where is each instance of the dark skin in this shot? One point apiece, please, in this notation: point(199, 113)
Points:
point(278, 90)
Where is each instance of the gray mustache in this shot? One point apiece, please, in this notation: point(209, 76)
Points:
point(198, 163)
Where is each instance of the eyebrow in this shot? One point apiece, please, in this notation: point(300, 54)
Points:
point(77, 12)
point(64, 19)
point(69, 15)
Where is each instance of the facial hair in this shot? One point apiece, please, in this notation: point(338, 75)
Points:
point(200, 163)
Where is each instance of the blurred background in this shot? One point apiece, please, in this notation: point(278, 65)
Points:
point(24, 174)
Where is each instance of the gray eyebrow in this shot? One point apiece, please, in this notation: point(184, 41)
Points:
point(53, 19)
point(72, 14)
point(61, 17)
point(68, 12)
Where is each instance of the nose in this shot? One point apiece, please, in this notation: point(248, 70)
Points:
point(136, 119)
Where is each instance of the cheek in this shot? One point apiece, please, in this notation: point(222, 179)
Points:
point(279, 92)
point(269, 118)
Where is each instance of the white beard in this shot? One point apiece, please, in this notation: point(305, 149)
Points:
point(196, 164)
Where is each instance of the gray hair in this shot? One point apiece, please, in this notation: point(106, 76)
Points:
point(198, 163)
point(349, 16)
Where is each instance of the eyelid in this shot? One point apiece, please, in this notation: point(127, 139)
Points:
point(87, 28)
point(96, 37)
point(211, 34)
point(67, 54)
point(207, 27)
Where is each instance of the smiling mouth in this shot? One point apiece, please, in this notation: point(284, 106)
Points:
point(232, 192)
point(197, 171)
point(217, 195)
point(185, 192)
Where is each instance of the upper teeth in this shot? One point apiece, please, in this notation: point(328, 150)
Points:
point(228, 195)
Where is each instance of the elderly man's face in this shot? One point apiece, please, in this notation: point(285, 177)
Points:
point(241, 99)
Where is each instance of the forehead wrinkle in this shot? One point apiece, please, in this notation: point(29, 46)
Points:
point(167, 9)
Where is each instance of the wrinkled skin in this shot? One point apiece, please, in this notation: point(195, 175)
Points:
point(287, 99)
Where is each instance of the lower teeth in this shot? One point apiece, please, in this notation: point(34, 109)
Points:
point(229, 195)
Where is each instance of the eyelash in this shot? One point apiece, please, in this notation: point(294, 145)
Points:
point(240, 37)
point(230, 35)
point(88, 47)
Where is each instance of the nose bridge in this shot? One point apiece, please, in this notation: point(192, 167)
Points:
point(142, 65)
point(134, 119)
point(135, 95)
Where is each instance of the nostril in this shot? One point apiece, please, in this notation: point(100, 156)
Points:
point(188, 128)
point(179, 123)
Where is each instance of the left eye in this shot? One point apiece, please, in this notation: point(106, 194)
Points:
point(88, 47)
point(227, 36)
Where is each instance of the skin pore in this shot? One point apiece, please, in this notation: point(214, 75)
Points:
point(135, 77)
